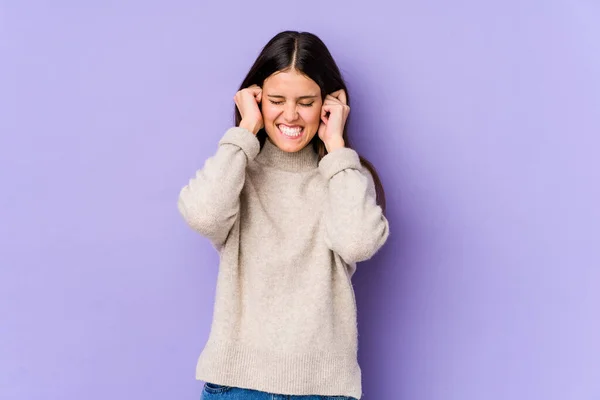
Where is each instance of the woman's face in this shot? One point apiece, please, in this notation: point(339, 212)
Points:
point(291, 109)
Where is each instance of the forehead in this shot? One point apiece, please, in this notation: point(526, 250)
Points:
point(291, 83)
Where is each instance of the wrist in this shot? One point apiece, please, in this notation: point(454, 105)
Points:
point(251, 126)
point(335, 144)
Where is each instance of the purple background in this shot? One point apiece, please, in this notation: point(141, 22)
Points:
point(483, 119)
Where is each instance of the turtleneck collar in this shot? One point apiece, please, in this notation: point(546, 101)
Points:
point(303, 160)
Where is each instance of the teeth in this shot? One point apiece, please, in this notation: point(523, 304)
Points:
point(293, 132)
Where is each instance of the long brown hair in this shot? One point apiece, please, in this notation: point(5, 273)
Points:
point(306, 53)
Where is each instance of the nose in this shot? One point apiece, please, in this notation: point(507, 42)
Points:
point(290, 113)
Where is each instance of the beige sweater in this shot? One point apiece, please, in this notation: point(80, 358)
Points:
point(289, 230)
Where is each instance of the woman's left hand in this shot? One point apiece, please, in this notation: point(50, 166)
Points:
point(331, 128)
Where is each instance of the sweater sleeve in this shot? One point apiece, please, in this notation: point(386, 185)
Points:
point(355, 225)
point(210, 202)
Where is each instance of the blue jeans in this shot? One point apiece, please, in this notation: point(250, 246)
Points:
point(217, 392)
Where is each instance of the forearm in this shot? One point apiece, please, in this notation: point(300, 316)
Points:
point(355, 224)
point(210, 201)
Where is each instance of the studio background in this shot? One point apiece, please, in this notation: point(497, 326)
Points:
point(483, 119)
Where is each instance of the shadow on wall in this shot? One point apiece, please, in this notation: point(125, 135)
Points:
point(383, 284)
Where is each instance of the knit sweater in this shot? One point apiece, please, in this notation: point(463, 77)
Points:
point(289, 230)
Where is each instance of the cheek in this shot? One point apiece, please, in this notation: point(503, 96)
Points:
point(269, 113)
point(312, 115)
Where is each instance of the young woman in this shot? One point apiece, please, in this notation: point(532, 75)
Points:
point(291, 209)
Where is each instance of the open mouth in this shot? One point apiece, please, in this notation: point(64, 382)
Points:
point(291, 132)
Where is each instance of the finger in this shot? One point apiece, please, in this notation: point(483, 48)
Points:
point(334, 106)
point(254, 89)
point(336, 94)
point(342, 97)
point(331, 101)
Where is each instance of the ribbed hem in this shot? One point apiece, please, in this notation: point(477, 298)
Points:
point(242, 138)
point(323, 373)
point(337, 161)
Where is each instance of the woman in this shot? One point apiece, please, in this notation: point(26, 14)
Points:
point(291, 209)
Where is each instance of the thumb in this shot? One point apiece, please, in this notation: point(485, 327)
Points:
point(321, 130)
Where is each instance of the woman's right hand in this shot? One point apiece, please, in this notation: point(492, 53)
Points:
point(247, 101)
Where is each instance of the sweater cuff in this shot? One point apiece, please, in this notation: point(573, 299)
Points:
point(338, 161)
point(242, 138)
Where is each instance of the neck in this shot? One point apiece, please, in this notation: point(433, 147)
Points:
point(305, 159)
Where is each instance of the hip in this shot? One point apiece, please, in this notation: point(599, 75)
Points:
point(213, 391)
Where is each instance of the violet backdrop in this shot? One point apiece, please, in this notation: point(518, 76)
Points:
point(483, 119)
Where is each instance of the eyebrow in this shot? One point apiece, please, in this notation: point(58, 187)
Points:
point(299, 98)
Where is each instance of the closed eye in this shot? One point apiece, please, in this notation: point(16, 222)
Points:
point(278, 103)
